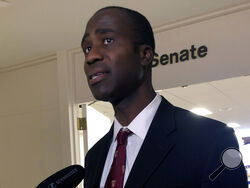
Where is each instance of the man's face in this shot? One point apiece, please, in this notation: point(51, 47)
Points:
point(112, 65)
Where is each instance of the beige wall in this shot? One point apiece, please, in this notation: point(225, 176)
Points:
point(30, 141)
point(227, 39)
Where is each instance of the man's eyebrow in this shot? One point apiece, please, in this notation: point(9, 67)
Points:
point(104, 30)
point(101, 31)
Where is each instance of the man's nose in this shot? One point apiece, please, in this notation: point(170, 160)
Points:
point(94, 55)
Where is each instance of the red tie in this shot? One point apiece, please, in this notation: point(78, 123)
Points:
point(117, 170)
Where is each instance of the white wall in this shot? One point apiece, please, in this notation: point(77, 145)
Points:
point(30, 133)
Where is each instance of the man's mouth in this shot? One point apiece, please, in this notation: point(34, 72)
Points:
point(96, 77)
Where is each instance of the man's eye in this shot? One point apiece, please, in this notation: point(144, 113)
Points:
point(108, 41)
point(87, 49)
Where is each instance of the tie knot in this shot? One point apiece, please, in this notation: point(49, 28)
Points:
point(122, 136)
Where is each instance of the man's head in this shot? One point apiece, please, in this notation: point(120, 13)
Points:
point(140, 26)
point(118, 45)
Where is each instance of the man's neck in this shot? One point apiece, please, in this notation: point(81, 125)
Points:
point(129, 107)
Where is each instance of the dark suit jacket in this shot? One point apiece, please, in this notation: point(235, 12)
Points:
point(180, 149)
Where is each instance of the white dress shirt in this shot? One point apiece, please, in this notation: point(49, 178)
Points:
point(139, 126)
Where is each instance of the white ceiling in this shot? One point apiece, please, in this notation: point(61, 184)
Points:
point(36, 28)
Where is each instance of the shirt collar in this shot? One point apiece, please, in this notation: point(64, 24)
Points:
point(141, 123)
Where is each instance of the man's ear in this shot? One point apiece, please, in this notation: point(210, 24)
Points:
point(146, 54)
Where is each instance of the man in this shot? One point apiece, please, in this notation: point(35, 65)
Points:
point(166, 146)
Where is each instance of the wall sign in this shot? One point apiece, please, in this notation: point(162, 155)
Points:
point(181, 56)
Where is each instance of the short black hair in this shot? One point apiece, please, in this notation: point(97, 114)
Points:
point(143, 33)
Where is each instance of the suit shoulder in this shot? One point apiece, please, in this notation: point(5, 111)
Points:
point(203, 128)
point(192, 125)
point(197, 121)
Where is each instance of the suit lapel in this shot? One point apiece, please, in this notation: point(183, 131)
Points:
point(102, 158)
point(157, 144)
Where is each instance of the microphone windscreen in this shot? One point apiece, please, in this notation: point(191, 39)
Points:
point(68, 177)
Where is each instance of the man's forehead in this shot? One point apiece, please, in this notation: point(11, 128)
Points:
point(111, 11)
point(101, 25)
point(109, 20)
point(109, 16)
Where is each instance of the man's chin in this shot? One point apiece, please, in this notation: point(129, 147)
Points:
point(101, 97)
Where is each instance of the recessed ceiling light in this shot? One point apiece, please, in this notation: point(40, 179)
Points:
point(201, 111)
point(233, 125)
point(4, 3)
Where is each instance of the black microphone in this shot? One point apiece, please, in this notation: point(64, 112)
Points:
point(68, 177)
